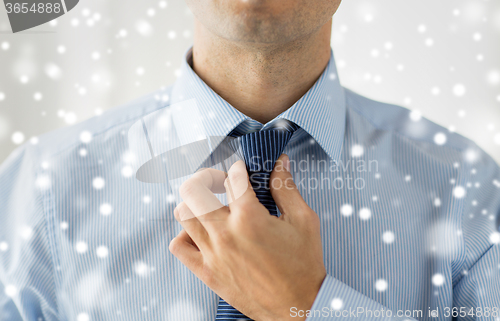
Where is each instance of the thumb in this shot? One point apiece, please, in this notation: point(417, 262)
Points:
point(285, 193)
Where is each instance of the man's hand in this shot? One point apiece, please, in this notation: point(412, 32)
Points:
point(260, 264)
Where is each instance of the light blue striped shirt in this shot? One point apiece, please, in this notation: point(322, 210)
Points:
point(409, 211)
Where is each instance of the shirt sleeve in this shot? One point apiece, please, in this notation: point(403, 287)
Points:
point(338, 301)
point(27, 285)
point(476, 296)
point(476, 293)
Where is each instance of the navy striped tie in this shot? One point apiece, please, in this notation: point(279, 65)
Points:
point(259, 150)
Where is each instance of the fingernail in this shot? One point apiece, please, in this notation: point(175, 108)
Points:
point(286, 163)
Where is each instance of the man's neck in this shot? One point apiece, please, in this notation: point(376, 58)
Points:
point(260, 80)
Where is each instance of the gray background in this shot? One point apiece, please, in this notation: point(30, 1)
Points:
point(105, 53)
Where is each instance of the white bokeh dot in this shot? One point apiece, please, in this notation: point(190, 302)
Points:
point(381, 285)
point(438, 279)
point(10, 290)
point(440, 138)
point(495, 238)
point(127, 171)
point(388, 237)
point(26, 232)
point(98, 182)
point(459, 191)
point(85, 137)
point(83, 152)
point(4, 246)
point(493, 77)
point(102, 251)
point(337, 304)
point(415, 115)
point(105, 209)
point(82, 317)
point(81, 247)
point(53, 71)
point(64, 225)
point(170, 198)
point(144, 28)
point(365, 213)
point(141, 268)
point(18, 138)
point(43, 181)
point(357, 150)
point(346, 210)
point(122, 33)
point(459, 90)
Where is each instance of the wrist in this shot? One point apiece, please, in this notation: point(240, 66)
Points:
point(304, 302)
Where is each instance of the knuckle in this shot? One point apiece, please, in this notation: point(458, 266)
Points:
point(187, 188)
point(243, 212)
point(246, 224)
point(207, 275)
point(199, 175)
point(236, 176)
point(223, 236)
point(289, 184)
point(276, 182)
point(312, 220)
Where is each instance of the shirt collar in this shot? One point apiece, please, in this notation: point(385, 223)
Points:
point(321, 111)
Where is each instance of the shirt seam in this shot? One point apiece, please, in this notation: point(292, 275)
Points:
point(50, 237)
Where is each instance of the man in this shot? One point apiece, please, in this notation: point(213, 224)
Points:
point(390, 216)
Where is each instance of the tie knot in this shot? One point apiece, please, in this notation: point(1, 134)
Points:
point(261, 149)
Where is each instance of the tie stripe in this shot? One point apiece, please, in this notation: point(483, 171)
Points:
point(260, 150)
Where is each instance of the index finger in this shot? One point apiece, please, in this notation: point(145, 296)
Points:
point(198, 191)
